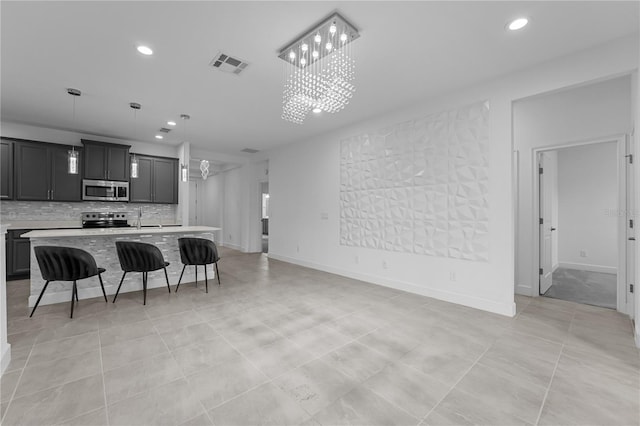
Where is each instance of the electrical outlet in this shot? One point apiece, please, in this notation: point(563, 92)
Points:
point(583, 253)
point(230, 239)
point(298, 248)
point(324, 216)
point(357, 260)
point(384, 264)
point(452, 276)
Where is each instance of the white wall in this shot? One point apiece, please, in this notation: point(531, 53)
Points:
point(304, 183)
point(588, 203)
point(635, 141)
point(580, 113)
point(234, 188)
point(212, 201)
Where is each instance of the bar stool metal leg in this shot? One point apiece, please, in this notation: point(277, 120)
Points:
point(206, 281)
point(167, 278)
point(180, 279)
point(217, 273)
point(39, 297)
point(74, 295)
point(196, 268)
point(144, 287)
point(104, 293)
point(120, 285)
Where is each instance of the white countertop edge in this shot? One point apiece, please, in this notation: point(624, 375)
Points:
point(110, 232)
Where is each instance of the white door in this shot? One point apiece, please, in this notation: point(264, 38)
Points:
point(631, 225)
point(546, 240)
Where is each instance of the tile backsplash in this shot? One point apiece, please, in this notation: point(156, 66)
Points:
point(61, 211)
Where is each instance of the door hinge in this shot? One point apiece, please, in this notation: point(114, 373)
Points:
point(540, 170)
point(630, 288)
point(541, 221)
point(630, 157)
point(631, 223)
point(540, 271)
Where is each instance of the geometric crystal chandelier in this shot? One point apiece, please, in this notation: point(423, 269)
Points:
point(319, 69)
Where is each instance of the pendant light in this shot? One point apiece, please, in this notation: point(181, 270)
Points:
point(184, 168)
point(72, 156)
point(134, 161)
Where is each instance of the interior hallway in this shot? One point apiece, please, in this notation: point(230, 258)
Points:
point(283, 344)
point(591, 288)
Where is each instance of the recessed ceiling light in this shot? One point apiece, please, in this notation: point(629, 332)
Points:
point(317, 110)
point(145, 50)
point(518, 24)
point(171, 123)
point(159, 136)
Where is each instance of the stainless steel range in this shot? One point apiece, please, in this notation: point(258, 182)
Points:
point(105, 220)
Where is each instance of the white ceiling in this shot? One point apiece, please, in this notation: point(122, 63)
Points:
point(407, 51)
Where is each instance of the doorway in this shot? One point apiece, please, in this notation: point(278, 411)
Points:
point(583, 204)
point(264, 211)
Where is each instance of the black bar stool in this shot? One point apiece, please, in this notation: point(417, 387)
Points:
point(66, 264)
point(140, 257)
point(198, 251)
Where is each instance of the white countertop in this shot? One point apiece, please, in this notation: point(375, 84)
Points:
point(57, 233)
point(44, 224)
point(66, 224)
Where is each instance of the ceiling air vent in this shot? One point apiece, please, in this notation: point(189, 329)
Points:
point(250, 150)
point(164, 130)
point(226, 63)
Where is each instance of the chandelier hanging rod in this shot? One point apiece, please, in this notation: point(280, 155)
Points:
point(353, 33)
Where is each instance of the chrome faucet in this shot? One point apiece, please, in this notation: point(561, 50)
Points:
point(139, 224)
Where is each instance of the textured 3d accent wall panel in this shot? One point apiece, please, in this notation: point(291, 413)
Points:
point(420, 186)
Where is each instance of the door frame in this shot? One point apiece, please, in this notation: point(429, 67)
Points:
point(541, 226)
point(622, 292)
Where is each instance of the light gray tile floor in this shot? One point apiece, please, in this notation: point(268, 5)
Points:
point(279, 344)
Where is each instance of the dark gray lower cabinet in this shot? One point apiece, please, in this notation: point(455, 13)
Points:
point(18, 254)
point(6, 169)
point(157, 181)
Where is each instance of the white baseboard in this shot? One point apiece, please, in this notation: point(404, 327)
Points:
point(524, 290)
point(88, 293)
point(507, 309)
point(232, 246)
point(589, 267)
point(6, 359)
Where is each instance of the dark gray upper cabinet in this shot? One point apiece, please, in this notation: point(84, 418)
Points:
point(142, 187)
point(106, 161)
point(41, 172)
point(33, 171)
point(157, 180)
point(64, 186)
point(6, 169)
point(165, 181)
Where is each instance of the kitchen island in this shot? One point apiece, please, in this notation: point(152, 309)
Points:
point(101, 244)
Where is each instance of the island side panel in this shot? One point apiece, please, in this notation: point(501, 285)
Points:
point(103, 249)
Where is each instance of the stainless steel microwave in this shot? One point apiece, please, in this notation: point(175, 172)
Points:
point(104, 190)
